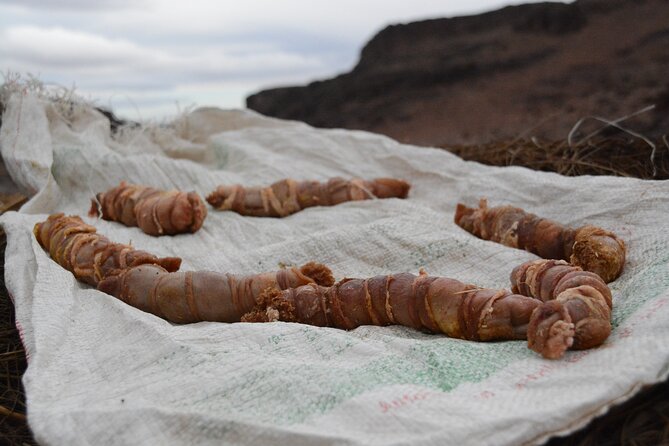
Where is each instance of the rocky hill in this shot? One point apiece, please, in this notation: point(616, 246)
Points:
point(528, 70)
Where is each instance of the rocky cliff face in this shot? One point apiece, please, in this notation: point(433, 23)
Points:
point(529, 70)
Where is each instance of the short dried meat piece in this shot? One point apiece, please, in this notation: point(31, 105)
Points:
point(154, 211)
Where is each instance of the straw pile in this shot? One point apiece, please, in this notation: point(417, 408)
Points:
point(620, 155)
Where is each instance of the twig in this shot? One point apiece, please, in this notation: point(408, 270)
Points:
point(12, 355)
point(11, 202)
point(614, 122)
point(11, 414)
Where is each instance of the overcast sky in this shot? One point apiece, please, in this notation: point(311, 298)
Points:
point(150, 59)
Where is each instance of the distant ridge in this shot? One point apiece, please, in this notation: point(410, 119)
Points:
point(532, 70)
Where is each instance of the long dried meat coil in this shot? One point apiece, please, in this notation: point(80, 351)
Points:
point(194, 296)
point(289, 196)
point(589, 247)
point(91, 257)
point(427, 303)
point(576, 313)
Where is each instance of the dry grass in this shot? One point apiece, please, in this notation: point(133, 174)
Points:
point(620, 155)
point(641, 421)
point(14, 430)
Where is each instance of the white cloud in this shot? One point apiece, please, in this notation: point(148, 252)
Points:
point(62, 47)
point(79, 5)
point(350, 21)
point(89, 54)
point(142, 81)
point(142, 105)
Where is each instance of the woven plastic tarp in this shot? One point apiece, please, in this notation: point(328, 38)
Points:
point(102, 372)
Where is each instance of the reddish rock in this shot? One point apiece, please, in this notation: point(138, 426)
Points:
point(528, 70)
